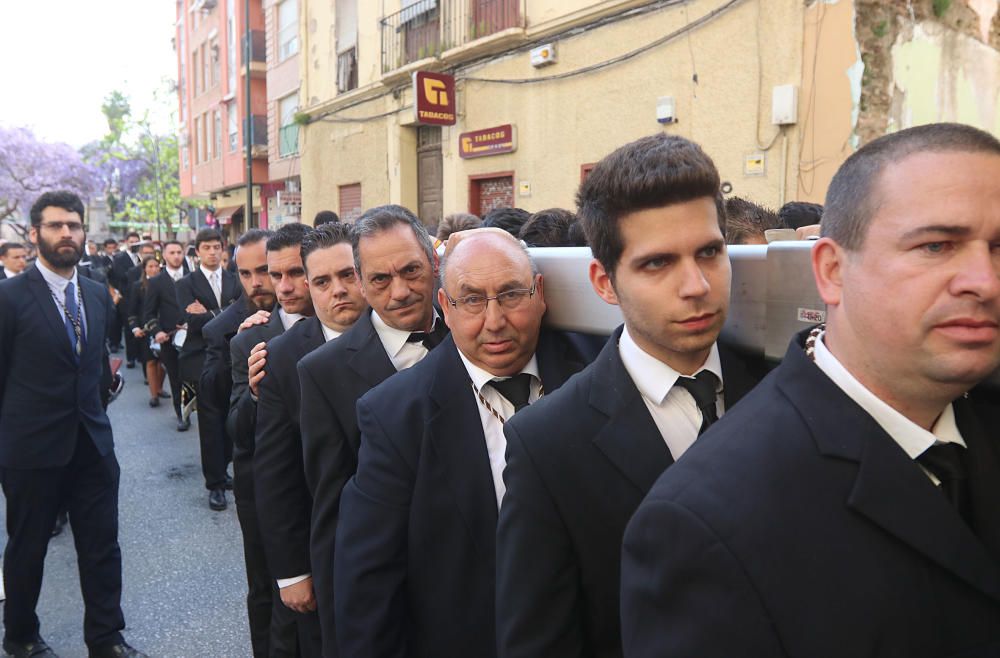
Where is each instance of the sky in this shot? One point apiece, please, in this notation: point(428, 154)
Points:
point(60, 58)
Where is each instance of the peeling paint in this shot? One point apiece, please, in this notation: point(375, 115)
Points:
point(986, 10)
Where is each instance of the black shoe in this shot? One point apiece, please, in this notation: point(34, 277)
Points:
point(121, 650)
point(130, 364)
point(34, 649)
point(183, 425)
point(217, 499)
point(61, 519)
point(229, 483)
point(154, 402)
point(115, 349)
point(164, 395)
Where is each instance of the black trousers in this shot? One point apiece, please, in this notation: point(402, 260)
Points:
point(88, 488)
point(115, 327)
point(273, 631)
point(216, 446)
point(169, 359)
point(131, 342)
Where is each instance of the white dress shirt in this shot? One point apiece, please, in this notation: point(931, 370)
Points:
point(673, 409)
point(216, 287)
point(496, 442)
point(57, 287)
point(912, 438)
point(288, 319)
point(328, 333)
point(402, 353)
point(9, 274)
point(177, 274)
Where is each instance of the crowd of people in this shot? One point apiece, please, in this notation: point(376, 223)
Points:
point(422, 467)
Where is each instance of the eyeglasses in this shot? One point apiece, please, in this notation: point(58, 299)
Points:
point(509, 300)
point(74, 227)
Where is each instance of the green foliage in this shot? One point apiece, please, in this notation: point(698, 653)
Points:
point(301, 119)
point(940, 7)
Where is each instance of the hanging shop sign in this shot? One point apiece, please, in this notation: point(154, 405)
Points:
point(435, 98)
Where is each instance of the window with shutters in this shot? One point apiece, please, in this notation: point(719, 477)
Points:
point(350, 202)
point(288, 133)
point(288, 29)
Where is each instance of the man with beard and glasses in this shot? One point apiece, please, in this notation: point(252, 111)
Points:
point(56, 445)
point(216, 382)
point(284, 505)
point(397, 266)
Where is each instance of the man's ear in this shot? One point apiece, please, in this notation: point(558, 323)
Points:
point(445, 306)
point(601, 281)
point(33, 235)
point(827, 262)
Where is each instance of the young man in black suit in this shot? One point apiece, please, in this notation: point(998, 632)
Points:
point(272, 625)
point(56, 445)
point(284, 504)
point(14, 258)
point(162, 315)
point(415, 558)
point(202, 295)
point(123, 262)
point(848, 506)
point(579, 463)
point(397, 267)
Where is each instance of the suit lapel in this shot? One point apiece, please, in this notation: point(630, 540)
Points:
point(889, 489)
point(983, 467)
point(629, 438)
point(456, 433)
point(229, 285)
point(40, 289)
point(367, 355)
point(203, 290)
point(556, 363)
point(737, 378)
point(312, 336)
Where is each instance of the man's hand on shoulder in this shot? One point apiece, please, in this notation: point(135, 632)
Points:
point(260, 317)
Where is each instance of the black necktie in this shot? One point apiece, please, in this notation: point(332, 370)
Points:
point(516, 389)
point(944, 460)
point(702, 389)
point(430, 339)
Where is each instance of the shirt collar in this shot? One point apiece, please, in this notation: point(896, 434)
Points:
point(174, 273)
point(482, 377)
point(9, 273)
point(912, 438)
point(394, 340)
point(328, 333)
point(208, 273)
point(56, 281)
point(653, 377)
point(288, 319)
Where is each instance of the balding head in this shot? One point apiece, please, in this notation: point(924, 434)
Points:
point(498, 334)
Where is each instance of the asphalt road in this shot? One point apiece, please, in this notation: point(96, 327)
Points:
point(184, 583)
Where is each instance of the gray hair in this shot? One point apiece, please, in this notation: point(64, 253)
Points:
point(851, 199)
point(382, 218)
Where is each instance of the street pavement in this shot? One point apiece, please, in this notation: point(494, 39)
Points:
point(184, 585)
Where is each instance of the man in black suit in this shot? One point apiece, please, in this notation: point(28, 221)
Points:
point(216, 383)
point(56, 445)
point(579, 463)
point(162, 315)
point(848, 506)
point(284, 504)
point(397, 267)
point(272, 626)
point(415, 548)
point(202, 295)
point(14, 258)
point(124, 262)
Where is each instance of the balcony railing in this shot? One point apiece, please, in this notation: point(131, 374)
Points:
point(427, 28)
point(258, 50)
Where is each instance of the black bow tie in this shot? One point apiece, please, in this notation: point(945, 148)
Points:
point(516, 389)
point(702, 389)
point(429, 339)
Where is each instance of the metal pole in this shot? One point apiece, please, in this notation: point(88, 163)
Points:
point(248, 134)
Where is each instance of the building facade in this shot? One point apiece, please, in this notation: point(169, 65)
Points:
point(213, 131)
point(282, 196)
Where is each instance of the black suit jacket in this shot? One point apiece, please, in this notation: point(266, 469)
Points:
point(284, 504)
point(195, 287)
point(121, 265)
point(45, 394)
point(797, 527)
point(578, 464)
point(415, 565)
point(332, 378)
point(241, 424)
point(215, 383)
point(3, 275)
point(160, 309)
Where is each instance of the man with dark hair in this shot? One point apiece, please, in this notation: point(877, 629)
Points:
point(325, 217)
point(397, 266)
point(202, 295)
point(507, 219)
point(848, 507)
point(746, 221)
point(415, 562)
point(161, 315)
point(455, 222)
point(284, 504)
point(580, 461)
point(14, 257)
point(548, 228)
point(123, 263)
point(56, 444)
point(796, 214)
point(215, 385)
point(272, 625)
